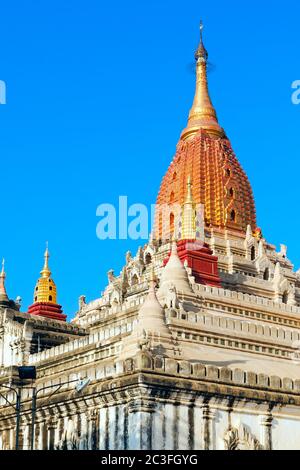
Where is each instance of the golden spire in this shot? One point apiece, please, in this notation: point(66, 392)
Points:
point(45, 290)
point(3, 294)
point(46, 273)
point(202, 114)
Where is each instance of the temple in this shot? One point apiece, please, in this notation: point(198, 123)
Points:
point(195, 345)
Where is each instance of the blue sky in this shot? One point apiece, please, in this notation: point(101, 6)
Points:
point(97, 95)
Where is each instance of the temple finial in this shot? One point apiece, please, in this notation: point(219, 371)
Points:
point(3, 294)
point(201, 53)
point(203, 114)
point(46, 271)
point(45, 289)
point(3, 268)
point(201, 31)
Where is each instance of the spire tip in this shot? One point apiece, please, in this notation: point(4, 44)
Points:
point(201, 52)
point(46, 271)
point(202, 114)
point(2, 274)
point(3, 294)
point(47, 248)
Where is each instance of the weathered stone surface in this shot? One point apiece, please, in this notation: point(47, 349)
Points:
point(212, 372)
point(199, 370)
point(287, 384)
point(159, 362)
point(185, 368)
point(251, 379)
point(144, 361)
point(263, 380)
point(225, 374)
point(239, 376)
point(129, 365)
point(297, 385)
point(119, 367)
point(171, 366)
point(275, 382)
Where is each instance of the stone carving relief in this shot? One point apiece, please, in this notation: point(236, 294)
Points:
point(241, 438)
point(115, 298)
point(144, 342)
point(171, 298)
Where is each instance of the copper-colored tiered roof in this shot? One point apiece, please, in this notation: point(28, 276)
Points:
point(205, 153)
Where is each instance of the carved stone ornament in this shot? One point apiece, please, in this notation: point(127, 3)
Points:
point(241, 439)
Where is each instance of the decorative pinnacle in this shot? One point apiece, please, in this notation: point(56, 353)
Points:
point(202, 114)
point(3, 294)
point(201, 53)
point(201, 31)
point(3, 275)
point(46, 271)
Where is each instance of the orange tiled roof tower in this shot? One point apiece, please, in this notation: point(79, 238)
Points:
point(205, 153)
